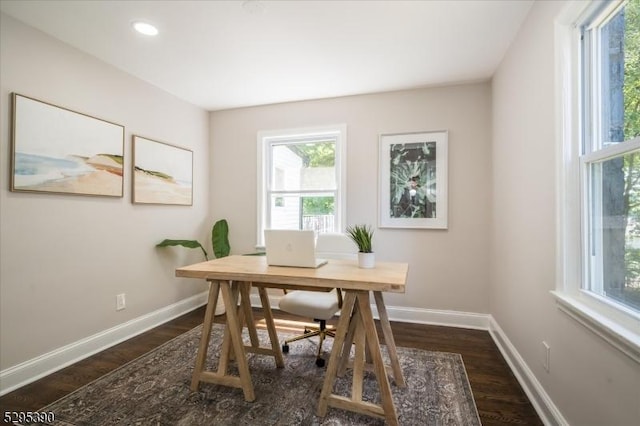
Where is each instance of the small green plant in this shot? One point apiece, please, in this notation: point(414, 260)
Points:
point(361, 235)
point(219, 241)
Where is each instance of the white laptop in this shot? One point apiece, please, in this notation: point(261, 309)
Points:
point(291, 248)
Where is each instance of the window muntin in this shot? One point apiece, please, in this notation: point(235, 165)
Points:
point(610, 155)
point(301, 180)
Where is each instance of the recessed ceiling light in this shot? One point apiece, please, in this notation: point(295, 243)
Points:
point(145, 28)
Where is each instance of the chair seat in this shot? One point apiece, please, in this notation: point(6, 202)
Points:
point(313, 304)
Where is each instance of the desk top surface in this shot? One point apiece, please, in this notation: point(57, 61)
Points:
point(345, 274)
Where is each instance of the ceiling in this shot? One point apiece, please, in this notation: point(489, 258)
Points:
point(229, 54)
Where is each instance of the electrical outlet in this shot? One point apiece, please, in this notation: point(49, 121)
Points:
point(546, 356)
point(120, 302)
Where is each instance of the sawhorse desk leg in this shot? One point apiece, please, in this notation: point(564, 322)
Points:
point(356, 312)
point(233, 346)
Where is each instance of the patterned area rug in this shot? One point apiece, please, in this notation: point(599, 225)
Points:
point(154, 390)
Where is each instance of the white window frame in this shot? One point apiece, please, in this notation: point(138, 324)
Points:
point(618, 326)
point(267, 137)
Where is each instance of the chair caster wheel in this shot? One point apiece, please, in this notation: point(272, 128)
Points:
point(320, 362)
point(285, 348)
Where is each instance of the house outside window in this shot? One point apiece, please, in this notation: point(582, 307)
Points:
point(599, 204)
point(302, 180)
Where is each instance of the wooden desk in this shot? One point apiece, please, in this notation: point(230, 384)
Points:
point(234, 276)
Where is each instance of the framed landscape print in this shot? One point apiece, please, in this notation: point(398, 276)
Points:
point(162, 173)
point(413, 180)
point(58, 150)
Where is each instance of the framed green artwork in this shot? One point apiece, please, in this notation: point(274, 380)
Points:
point(413, 180)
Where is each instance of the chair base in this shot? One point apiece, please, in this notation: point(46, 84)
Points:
point(321, 331)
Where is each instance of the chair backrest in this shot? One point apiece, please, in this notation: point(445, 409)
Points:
point(335, 246)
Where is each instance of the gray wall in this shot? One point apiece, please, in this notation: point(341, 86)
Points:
point(590, 382)
point(448, 269)
point(64, 258)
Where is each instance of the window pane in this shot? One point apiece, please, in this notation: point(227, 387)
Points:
point(303, 166)
point(620, 75)
point(285, 212)
point(315, 212)
point(614, 220)
point(318, 213)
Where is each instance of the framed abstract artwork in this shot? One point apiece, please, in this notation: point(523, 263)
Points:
point(162, 173)
point(413, 180)
point(57, 150)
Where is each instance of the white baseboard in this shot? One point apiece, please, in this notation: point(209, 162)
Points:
point(437, 317)
point(544, 406)
point(415, 315)
point(43, 365)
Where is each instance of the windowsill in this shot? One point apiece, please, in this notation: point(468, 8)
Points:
point(623, 339)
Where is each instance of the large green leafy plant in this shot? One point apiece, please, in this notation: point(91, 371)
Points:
point(219, 241)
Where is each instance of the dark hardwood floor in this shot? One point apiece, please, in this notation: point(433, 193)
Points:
point(499, 397)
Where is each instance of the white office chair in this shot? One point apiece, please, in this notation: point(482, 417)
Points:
point(321, 306)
